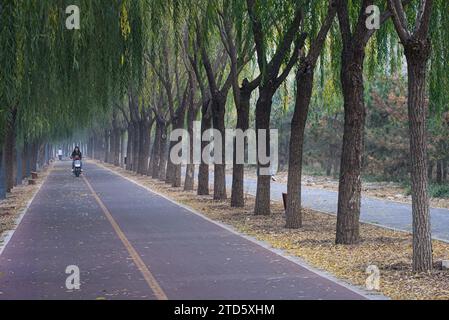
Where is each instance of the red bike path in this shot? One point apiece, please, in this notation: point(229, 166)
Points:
point(130, 243)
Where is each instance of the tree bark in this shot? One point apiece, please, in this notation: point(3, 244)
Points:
point(144, 147)
point(129, 148)
point(304, 83)
point(156, 150)
point(189, 180)
point(170, 172)
point(28, 160)
point(34, 155)
point(136, 146)
point(115, 142)
point(440, 171)
point(445, 170)
point(18, 168)
point(418, 53)
point(9, 158)
point(218, 119)
point(177, 168)
point(263, 113)
point(122, 147)
point(238, 170)
point(2, 174)
point(147, 146)
point(203, 174)
point(163, 153)
point(430, 171)
point(106, 146)
point(192, 113)
point(24, 160)
point(111, 146)
point(350, 186)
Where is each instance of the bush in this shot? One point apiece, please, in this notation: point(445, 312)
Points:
point(439, 190)
point(435, 190)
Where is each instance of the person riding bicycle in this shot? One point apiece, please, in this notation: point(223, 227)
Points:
point(76, 155)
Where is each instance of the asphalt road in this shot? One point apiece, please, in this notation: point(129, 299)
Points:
point(385, 213)
point(129, 243)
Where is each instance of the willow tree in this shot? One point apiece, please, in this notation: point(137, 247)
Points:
point(304, 88)
point(234, 33)
point(416, 41)
point(193, 55)
point(270, 63)
point(55, 80)
point(356, 32)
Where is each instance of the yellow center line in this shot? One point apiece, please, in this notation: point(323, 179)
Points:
point(148, 276)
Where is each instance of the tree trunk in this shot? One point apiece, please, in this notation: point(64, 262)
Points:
point(106, 146)
point(304, 84)
point(41, 156)
point(189, 180)
point(445, 170)
point(147, 147)
point(2, 175)
point(170, 172)
point(203, 174)
point(155, 157)
point(117, 143)
point(91, 148)
point(218, 119)
point(19, 165)
point(143, 152)
point(238, 170)
point(263, 112)
point(9, 158)
point(136, 147)
point(111, 146)
point(440, 171)
point(24, 160)
point(177, 168)
point(430, 171)
point(151, 162)
point(122, 147)
point(163, 153)
point(331, 159)
point(350, 186)
point(33, 158)
point(28, 159)
point(129, 147)
point(417, 54)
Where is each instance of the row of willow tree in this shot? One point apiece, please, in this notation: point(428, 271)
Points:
point(136, 70)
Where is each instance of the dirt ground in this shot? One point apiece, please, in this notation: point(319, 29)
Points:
point(390, 251)
point(16, 202)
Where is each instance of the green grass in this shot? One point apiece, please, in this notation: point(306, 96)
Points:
point(439, 190)
point(435, 190)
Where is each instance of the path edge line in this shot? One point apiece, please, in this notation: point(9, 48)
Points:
point(8, 234)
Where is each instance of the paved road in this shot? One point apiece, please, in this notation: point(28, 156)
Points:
point(382, 212)
point(132, 244)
